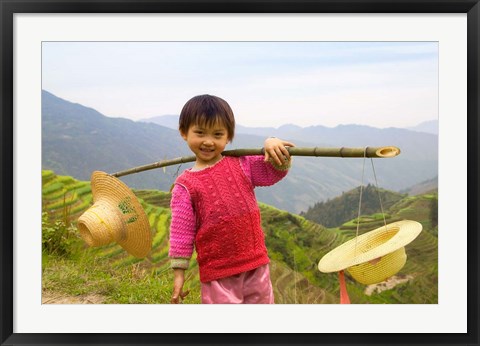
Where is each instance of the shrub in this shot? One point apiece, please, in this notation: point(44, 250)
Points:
point(57, 238)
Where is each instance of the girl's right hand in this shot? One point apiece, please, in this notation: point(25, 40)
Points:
point(275, 149)
point(178, 281)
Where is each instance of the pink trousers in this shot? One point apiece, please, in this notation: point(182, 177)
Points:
point(252, 287)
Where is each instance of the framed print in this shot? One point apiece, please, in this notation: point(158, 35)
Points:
point(447, 32)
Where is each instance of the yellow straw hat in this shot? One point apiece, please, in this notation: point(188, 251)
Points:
point(374, 256)
point(115, 216)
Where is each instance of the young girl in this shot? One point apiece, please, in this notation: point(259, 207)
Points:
point(214, 208)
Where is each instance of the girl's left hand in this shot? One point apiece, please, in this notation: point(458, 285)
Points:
point(275, 148)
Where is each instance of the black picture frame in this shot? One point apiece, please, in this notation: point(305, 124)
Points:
point(10, 7)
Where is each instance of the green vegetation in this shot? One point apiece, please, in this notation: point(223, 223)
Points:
point(339, 210)
point(295, 246)
point(57, 238)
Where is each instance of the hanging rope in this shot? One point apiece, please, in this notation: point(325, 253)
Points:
point(378, 193)
point(344, 299)
point(360, 200)
point(295, 274)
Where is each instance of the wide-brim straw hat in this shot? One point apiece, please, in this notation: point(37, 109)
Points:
point(116, 216)
point(374, 256)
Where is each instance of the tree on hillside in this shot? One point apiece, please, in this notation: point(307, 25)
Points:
point(339, 210)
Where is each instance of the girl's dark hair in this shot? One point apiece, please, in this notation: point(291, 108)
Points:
point(207, 110)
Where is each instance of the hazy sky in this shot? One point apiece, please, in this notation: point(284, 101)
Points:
point(380, 84)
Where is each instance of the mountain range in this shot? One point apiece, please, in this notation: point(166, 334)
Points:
point(171, 121)
point(76, 140)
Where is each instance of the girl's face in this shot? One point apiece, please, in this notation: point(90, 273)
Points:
point(207, 143)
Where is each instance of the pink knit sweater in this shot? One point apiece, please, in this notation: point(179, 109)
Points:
point(202, 218)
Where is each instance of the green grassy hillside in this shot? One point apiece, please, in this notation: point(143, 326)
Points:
point(295, 246)
point(339, 210)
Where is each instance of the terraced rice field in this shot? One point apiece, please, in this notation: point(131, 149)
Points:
point(295, 245)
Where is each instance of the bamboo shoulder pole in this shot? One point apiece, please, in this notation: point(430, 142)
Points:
point(378, 152)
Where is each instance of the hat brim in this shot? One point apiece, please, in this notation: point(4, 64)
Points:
point(370, 246)
point(136, 239)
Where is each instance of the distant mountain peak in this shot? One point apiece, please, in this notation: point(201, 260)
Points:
point(290, 127)
point(167, 120)
point(430, 126)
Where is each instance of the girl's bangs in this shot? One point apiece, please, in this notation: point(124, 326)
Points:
point(210, 121)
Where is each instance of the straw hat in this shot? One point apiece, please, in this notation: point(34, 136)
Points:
point(116, 216)
point(374, 256)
